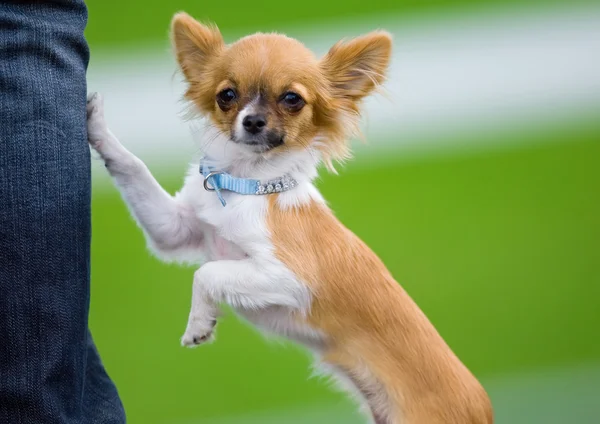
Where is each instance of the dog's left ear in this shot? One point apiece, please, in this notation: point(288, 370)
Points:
point(354, 68)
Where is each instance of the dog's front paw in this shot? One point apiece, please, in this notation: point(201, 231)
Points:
point(96, 124)
point(198, 332)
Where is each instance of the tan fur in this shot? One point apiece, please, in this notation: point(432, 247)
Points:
point(271, 64)
point(372, 324)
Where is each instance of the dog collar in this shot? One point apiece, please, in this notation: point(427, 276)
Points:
point(216, 181)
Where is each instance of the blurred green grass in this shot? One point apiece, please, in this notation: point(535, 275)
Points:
point(118, 23)
point(500, 249)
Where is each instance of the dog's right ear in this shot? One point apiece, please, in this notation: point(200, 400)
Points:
point(195, 45)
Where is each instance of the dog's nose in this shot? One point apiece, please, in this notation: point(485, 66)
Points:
point(254, 123)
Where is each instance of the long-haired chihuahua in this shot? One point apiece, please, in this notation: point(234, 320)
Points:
point(267, 243)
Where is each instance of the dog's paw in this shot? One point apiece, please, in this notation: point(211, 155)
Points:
point(96, 124)
point(198, 333)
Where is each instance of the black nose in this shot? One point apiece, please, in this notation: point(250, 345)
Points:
point(254, 123)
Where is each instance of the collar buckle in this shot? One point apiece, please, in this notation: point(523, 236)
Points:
point(208, 176)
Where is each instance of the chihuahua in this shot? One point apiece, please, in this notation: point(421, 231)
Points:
point(267, 243)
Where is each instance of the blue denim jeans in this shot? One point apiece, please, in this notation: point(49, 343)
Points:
point(50, 371)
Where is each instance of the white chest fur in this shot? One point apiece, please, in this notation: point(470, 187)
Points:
point(234, 231)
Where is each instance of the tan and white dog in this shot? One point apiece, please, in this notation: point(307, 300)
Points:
point(279, 256)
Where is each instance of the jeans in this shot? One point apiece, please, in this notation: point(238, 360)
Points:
point(50, 370)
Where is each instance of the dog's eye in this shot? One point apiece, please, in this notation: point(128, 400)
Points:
point(225, 98)
point(293, 101)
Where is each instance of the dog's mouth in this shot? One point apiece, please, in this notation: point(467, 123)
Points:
point(261, 143)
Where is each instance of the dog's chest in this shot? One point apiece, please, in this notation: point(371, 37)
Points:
point(219, 248)
point(235, 230)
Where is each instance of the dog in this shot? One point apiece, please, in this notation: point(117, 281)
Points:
point(268, 244)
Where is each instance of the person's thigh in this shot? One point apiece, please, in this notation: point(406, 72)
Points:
point(45, 220)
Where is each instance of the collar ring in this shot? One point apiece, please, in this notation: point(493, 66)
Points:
point(205, 182)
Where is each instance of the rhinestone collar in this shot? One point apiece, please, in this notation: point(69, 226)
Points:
point(219, 180)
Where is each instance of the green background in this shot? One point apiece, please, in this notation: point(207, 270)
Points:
point(115, 23)
point(500, 248)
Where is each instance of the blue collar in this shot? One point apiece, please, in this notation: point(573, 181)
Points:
point(220, 180)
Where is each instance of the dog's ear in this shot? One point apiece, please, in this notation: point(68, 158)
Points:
point(355, 67)
point(195, 45)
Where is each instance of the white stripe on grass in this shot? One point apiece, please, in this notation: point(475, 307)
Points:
point(453, 74)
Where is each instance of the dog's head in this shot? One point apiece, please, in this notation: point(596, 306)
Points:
point(269, 93)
